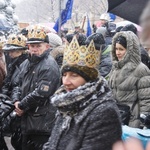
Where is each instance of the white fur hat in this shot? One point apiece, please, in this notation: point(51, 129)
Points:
point(54, 40)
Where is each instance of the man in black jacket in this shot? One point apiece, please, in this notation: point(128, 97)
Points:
point(38, 79)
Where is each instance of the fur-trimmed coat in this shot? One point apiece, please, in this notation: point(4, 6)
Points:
point(130, 78)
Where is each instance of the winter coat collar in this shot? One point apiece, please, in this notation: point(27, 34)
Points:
point(35, 59)
point(15, 63)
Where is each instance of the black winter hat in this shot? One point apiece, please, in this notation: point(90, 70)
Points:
point(130, 27)
point(69, 37)
point(89, 74)
point(98, 40)
point(24, 31)
point(122, 40)
point(80, 37)
point(118, 29)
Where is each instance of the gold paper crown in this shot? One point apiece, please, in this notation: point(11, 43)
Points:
point(1, 45)
point(37, 32)
point(18, 40)
point(2, 42)
point(81, 55)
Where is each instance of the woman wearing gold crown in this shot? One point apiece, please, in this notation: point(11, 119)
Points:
point(87, 117)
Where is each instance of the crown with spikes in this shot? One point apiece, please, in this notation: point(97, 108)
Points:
point(37, 33)
point(2, 42)
point(17, 40)
point(81, 55)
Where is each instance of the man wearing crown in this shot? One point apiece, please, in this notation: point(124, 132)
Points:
point(38, 79)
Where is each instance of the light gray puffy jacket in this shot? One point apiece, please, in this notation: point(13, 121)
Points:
point(130, 78)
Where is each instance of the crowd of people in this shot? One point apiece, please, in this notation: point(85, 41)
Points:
point(66, 91)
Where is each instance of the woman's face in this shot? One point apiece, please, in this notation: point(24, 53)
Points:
point(120, 51)
point(72, 80)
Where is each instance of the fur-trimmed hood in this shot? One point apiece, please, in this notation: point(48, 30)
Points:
point(133, 49)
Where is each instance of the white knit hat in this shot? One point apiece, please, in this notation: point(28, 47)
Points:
point(54, 40)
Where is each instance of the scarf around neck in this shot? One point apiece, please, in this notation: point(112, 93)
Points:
point(77, 99)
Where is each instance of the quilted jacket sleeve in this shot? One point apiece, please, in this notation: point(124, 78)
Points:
point(144, 90)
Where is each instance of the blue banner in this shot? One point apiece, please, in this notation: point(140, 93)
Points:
point(89, 30)
point(112, 17)
point(65, 15)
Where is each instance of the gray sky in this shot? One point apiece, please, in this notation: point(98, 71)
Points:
point(16, 1)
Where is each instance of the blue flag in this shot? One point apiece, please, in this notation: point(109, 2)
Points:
point(65, 15)
point(89, 30)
